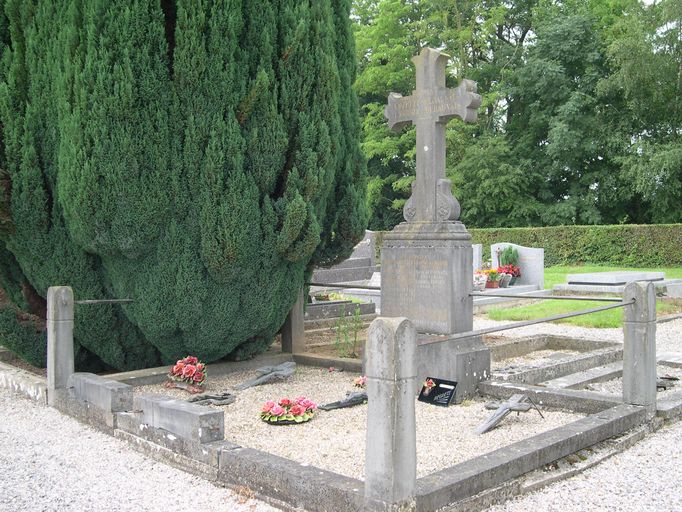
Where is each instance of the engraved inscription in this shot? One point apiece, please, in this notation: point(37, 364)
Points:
point(421, 291)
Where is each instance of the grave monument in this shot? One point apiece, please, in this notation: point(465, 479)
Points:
point(426, 261)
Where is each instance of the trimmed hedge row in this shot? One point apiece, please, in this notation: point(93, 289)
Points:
point(651, 245)
point(631, 245)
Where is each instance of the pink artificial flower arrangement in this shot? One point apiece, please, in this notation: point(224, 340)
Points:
point(288, 411)
point(360, 382)
point(189, 370)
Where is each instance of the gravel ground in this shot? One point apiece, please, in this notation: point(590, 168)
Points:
point(534, 359)
point(668, 334)
point(335, 440)
point(615, 386)
point(53, 463)
point(644, 478)
point(50, 462)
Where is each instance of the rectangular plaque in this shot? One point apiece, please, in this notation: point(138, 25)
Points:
point(441, 393)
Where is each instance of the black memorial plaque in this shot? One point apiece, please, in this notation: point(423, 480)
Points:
point(441, 393)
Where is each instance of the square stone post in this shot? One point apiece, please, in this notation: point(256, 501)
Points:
point(60, 365)
point(293, 330)
point(639, 351)
point(391, 447)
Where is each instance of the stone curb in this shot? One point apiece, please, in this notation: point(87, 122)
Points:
point(462, 480)
point(23, 382)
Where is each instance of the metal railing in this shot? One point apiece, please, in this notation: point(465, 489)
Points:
point(103, 301)
point(524, 323)
point(619, 303)
point(337, 285)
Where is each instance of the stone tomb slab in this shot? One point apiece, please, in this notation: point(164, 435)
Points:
point(615, 278)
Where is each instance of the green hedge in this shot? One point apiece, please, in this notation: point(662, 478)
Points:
point(651, 245)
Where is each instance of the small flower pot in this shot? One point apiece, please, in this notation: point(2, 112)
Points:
point(492, 284)
point(512, 280)
point(504, 280)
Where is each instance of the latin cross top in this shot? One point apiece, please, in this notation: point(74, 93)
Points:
point(429, 108)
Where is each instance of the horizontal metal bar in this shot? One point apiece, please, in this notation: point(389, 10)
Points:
point(102, 301)
point(548, 297)
point(525, 323)
point(336, 285)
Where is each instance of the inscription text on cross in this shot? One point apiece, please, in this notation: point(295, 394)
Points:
point(430, 107)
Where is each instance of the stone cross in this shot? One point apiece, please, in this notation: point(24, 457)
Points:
point(430, 107)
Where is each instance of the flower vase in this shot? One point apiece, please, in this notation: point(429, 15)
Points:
point(503, 283)
point(512, 280)
point(492, 284)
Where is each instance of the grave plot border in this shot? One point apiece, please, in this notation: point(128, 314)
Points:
point(285, 482)
point(602, 353)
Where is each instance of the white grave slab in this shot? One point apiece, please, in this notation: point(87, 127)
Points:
point(614, 278)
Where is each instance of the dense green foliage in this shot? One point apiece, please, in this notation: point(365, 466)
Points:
point(622, 245)
point(197, 156)
point(582, 108)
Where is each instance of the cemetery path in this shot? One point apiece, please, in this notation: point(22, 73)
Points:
point(50, 462)
point(644, 478)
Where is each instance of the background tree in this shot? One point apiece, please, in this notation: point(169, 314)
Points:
point(197, 156)
point(574, 127)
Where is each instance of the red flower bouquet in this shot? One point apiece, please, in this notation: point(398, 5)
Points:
point(189, 370)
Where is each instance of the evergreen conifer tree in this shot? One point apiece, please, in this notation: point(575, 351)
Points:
point(197, 156)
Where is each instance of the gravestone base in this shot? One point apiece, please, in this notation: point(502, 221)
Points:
point(465, 361)
point(426, 276)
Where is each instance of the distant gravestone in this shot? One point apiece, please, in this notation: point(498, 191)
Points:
point(531, 262)
point(478, 256)
point(426, 262)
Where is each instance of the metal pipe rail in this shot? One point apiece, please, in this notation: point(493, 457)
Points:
point(546, 297)
point(525, 323)
point(103, 301)
point(332, 285)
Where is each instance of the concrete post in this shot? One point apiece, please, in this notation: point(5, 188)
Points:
point(391, 449)
point(60, 364)
point(293, 330)
point(639, 351)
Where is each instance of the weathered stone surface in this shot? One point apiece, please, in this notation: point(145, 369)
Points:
point(430, 107)
point(301, 485)
point(477, 261)
point(108, 395)
point(674, 290)
point(60, 364)
point(336, 309)
point(181, 418)
point(190, 421)
point(465, 361)
point(427, 276)
point(639, 350)
point(293, 330)
point(614, 278)
point(531, 262)
point(391, 453)
point(442, 488)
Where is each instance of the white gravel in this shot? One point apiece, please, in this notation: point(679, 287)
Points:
point(50, 462)
point(668, 334)
point(615, 386)
point(335, 440)
point(645, 478)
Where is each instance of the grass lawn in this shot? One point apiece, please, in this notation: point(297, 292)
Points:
point(602, 319)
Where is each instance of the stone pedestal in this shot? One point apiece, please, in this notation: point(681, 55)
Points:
point(60, 356)
point(426, 276)
point(465, 361)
